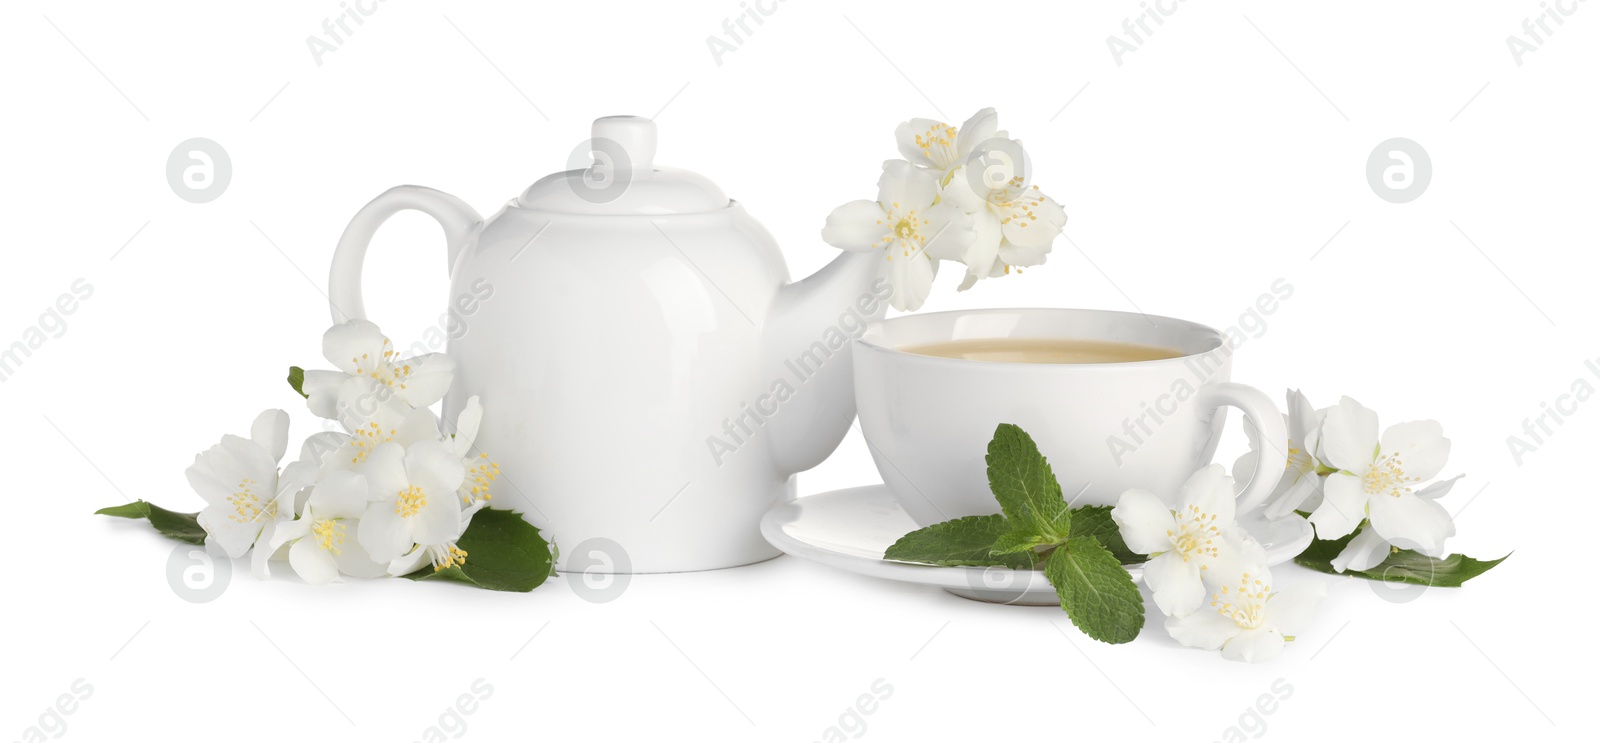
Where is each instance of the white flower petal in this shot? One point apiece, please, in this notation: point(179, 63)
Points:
point(423, 380)
point(467, 424)
point(1145, 521)
point(284, 532)
point(439, 520)
point(1439, 489)
point(312, 563)
point(1344, 505)
point(1366, 550)
point(1211, 491)
point(1420, 446)
point(979, 127)
point(927, 143)
point(1205, 629)
point(958, 192)
point(253, 459)
point(356, 347)
point(434, 469)
point(233, 537)
point(1245, 465)
point(1013, 254)
point(419, 424)
point(340, 495)
point(1350, 436)
point(982, 254)
point(353, 559)
point(1254, 645)
point(857, 226)
point(321, 388)
point(1410, 522)
point(911, 278)
point(383, 532)
point(206, 484)
point(318, 447)
point(271, 431)
point(948, 231)
point(385, 470)
point(1293, 609)
point(408, 563)
point(1238, 554)
point(263, 553)
point(1294, 491)
point(1035, 222)
point(1302, 418)
point(903, 187)
point(1174, 583)
point(364, 401)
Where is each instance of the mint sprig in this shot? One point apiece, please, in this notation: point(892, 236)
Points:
point(1097, 594)
point(1021, 480)
point(965, 541)
point(1081, 549)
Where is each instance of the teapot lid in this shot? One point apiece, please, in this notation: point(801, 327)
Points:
point(622, 179)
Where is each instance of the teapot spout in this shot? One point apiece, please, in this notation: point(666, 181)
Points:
point(806, 345)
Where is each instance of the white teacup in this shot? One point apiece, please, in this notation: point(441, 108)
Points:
point(1104, 427)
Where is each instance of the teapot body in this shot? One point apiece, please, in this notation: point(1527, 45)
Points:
point(622, 360)
point(651, 380)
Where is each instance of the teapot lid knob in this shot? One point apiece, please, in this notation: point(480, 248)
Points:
point(622, 178)
point(629, 142)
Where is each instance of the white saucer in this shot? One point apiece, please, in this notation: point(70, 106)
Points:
point(850, 529)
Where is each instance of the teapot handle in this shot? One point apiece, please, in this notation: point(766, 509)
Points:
point(459, 221)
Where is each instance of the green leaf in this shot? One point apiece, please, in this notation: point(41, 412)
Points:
point(297, 380)
point(1096, 592)
point(1022, 540)
point(1022, 482)
point(1095, 521)
point(964, 541)
point(1401, 566)
point(504, 553)
point(183, 527)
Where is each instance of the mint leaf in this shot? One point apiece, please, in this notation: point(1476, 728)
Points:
point(964, 541)
point(184, 527)
point(1095, 521)
point(297, 380)
point(1403, 566)
point(1022, 540)
point(1022, 482)
point(504, 553)
point(1097, 594)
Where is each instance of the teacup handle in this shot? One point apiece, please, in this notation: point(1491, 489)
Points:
point(344, 279)
point(1271, 459)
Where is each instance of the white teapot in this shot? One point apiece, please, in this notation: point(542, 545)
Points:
point(651, 380)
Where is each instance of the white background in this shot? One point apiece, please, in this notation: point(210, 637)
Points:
point(1228, 151)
